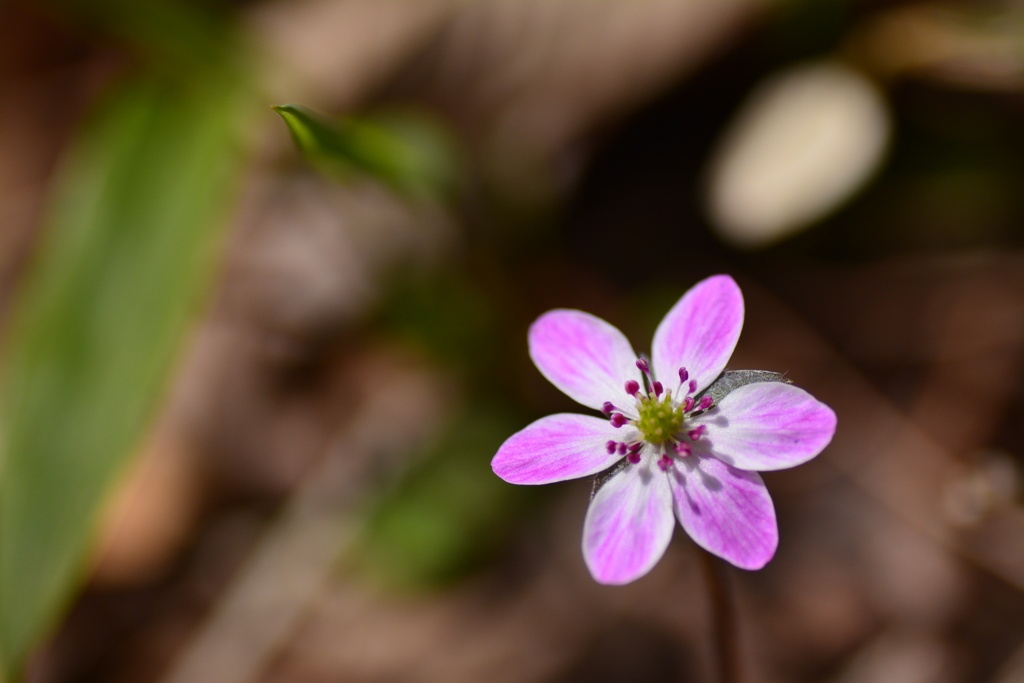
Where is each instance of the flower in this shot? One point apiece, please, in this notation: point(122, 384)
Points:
point(676, 453)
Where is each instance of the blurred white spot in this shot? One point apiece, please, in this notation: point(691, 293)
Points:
point(805, 140)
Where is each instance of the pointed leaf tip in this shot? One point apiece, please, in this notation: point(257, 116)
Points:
point(408, 150)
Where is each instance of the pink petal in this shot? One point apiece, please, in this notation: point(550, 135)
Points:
point(628, 525)
point(556, 448)
point(699, 333)
point(585, 357)
point(768, 426)
point(726, 511)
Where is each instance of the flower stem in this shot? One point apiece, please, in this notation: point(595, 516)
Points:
point(723, 615)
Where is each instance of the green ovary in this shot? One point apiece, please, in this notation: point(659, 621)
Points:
point(658, 422)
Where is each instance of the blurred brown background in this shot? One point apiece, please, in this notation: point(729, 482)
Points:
point(313, 500)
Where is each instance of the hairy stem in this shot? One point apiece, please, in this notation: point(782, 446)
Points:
point(723, 615)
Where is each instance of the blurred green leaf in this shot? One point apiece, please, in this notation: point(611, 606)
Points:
point(131, 240)
point(448, 513)
point(407, 149)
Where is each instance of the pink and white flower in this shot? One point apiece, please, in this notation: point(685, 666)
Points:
point(679, 454)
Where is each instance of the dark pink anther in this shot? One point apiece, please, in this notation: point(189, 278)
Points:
point(618, 419)
point(644, 366)
point(697, 433)
point(688, 404)
point(607, 408)
point(706, 402)
point(682, 449)
point(657, 389)
point(693, 386)
point(622, 449)
point(632, 386)
point(683, 376)
point(664, 462)
point(633, 457)
point(636, 446)
point(610, 447)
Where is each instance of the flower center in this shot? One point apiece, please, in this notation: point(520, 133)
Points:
point(658, 420)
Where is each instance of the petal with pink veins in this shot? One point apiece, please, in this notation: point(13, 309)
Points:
point(726, 511)
point(768, 426)
point(585, 357)
point(628, 525)
point(699, 333)
point(557, 448)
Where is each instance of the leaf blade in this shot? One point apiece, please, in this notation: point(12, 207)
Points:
point(408, 150)
point(129, 249)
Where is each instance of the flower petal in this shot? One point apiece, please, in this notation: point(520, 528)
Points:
point(585, 357)
point(628, 525)
point(768, 426)
point(699, 333)
point(726, 511)
point(556, 448)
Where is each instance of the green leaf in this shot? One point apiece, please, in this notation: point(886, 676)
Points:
point(406, 149)
point(137, 219)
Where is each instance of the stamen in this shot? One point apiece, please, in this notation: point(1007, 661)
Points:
point(622, 449)
point(664, 462)
point(682, 448)
point(697, 433)
point(693, 387)
point(683, 376)
point(610, 447)
point(657, 389)
point(706, 402)
point(636, 446)
point(607, 408)
point(644, 366)
point(618, 419)
point(688, 404)
point(633, 457)
point(632, 387)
